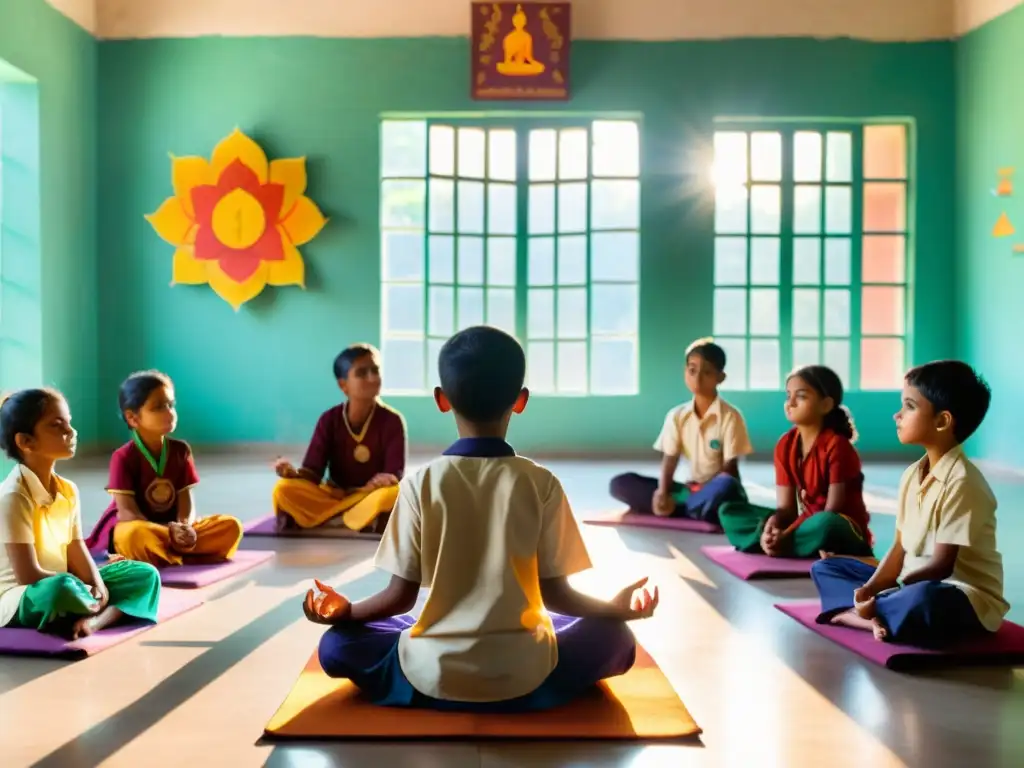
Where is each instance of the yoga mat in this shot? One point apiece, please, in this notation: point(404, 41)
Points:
point(29, 642)
point(266, 526)
point(749, 566)
point(632, 519)
point(195, 576)
point(1004, 648)
point(638, 706)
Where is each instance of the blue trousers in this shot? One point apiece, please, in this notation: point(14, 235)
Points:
point(926, 614)
point(635, 491)
point(589, 650)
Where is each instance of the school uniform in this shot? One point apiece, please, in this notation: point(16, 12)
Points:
point(480, 528)
point(155, 483)
point(30, 514)
point(950, 503)
point(832, 459)
point(349, 460)
point(708, 442)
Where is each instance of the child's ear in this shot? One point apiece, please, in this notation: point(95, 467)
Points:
point(827, 405)
point(944, 421)
point(721, 377)
point(343, 386)
point(131, 419)
point(524, 396)
point(24, 442)
point(442, 400)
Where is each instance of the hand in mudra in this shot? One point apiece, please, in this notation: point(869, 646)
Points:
point(183, 537)
point(284, 469)
point(662, 503)
point(325, 605)
point(635, 602)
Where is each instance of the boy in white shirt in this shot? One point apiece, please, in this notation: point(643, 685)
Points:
point(942, 580)
point(709, 432)
point(492, 536)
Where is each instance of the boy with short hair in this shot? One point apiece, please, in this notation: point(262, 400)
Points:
point(942, 580)
point(492, 536)
point(707, 431)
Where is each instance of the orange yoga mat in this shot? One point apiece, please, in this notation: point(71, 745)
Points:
point(638, 706)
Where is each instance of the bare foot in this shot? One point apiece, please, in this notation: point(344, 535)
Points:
point(284, 523)
point(853, 621)
point(825, 555)
point(866, 609)
point(879, 631)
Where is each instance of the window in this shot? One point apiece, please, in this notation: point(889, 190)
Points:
point(811, 253)
point(531, 229)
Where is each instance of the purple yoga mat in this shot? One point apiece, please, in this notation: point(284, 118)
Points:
point(635, 520)
point(267, 526)
point(194, 576)
point(29, 642)
point(1004, 648)
point(748, 566)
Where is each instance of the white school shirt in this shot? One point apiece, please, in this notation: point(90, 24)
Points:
point(707, 442)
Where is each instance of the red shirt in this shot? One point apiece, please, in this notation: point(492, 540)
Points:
point(156, 496)
point(832, 459)
point(332, 448)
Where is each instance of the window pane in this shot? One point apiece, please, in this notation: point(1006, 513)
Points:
point(806, 261)
point(403, 148)
point(471, 206)
point(402, 256)
point(501, 209)
point(540, 313)
point(613, 366)
point(805, 352)
point(614, 309)
point(837, 312)
point(765, 156)
point(501, 261)
point(572, 207)
point(764, 312)
point(839, 157)
point(764, 261)
point(442, 311)
point(837, 261)
point(765, 210)
point(881, 363)
point(540, 366)
point(807, 156)
point(442, 150)
point(730, 313)
point(838, 211)
point(542, 209)
point(471, 153)
point(442, 259)
point(442, 205)
point(471, 307)
point(806, 210)
point(540, 266)
point(885, 152)
point(731, 210)
point(730, 164)
point(572, 153)
point(433, 352)
point(730, 261)
point(402, 204)
point(616, 205)
point(572, 313)
point(884, 259)
point(471, 260)
point(572, 366)
point(501, 309)
point(806, 312)
point(501, 155)
point(735, 362)
point(836, 355)
point(885, 207)
point(615, 256)
point(542, 155)
point(404, 363)
point(764, 364)
point(403, 308)
point(882, 310)
point(616, 149)
point(572, 260)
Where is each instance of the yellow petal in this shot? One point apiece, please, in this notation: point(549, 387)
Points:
point(291, 271)
point(304, 221)
point(171, 222)
point(238, 146)
point(187, 269)
point(236, 294)
point(291, 172)
point(186, 174)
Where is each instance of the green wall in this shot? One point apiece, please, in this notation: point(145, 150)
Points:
point(989, 276)
point(264, 374)
point(50, 322)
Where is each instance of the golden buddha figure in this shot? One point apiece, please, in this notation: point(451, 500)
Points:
point(518, 47)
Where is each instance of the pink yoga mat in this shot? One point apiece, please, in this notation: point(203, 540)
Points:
point(29, 642)
point(1004, 648)
point(634, 520)
point(267, 526)
point(194, 576)
point(748, 566)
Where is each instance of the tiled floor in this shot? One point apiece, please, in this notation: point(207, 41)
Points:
point(198, 690)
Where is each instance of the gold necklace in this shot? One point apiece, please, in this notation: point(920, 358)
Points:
point(361, 452)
